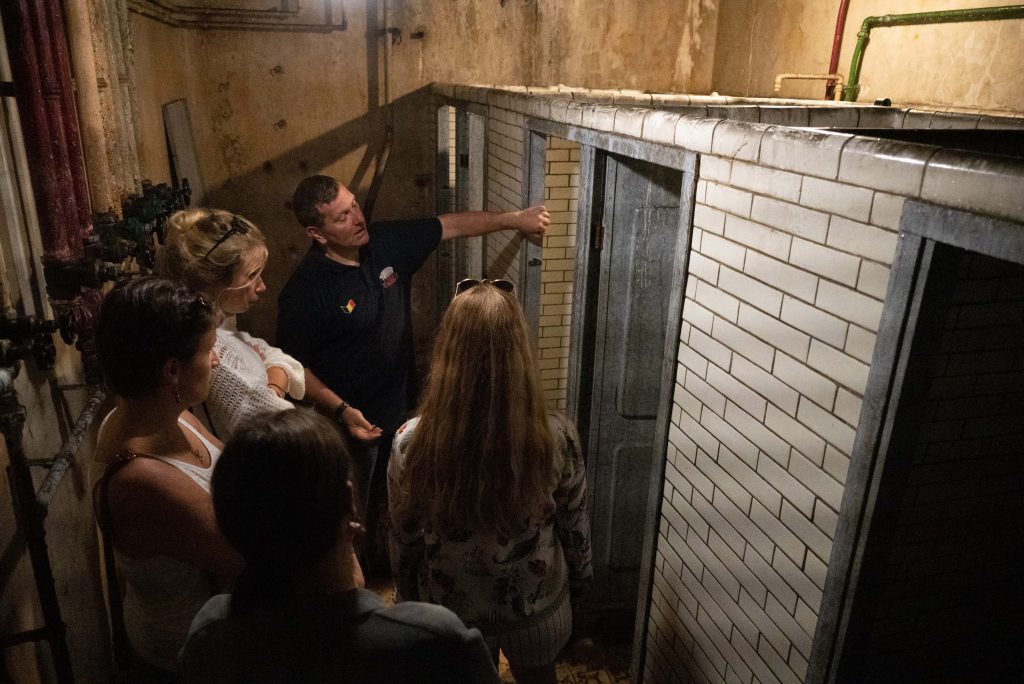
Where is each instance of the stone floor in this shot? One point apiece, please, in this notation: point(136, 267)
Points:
point(587, 663)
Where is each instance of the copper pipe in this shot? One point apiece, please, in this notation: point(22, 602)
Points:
point(837, 44)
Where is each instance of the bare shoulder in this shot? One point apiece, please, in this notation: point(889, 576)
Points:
point(149, 500)
point(145, 482)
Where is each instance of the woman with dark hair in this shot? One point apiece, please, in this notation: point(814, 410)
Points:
point(488, 490)
point(283, 498)
point(155, 342)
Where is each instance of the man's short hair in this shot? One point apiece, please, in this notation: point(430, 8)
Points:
point(309, 194)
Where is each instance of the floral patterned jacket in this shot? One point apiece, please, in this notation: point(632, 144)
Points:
point(495, 584)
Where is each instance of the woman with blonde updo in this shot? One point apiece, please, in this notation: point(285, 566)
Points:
point(223, 255)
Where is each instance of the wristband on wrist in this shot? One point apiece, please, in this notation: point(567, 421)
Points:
point(272, 385)
point(339, 410)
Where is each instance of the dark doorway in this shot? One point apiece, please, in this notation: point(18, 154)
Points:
point(923, 583)
point(939, 597)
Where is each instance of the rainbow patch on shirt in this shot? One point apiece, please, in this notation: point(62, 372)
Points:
point(349, 307)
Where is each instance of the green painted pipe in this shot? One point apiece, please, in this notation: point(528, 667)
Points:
point(852, 87)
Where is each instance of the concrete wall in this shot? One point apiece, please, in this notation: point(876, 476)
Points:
point(971, 65)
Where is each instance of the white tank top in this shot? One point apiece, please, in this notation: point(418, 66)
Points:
point(162, 595)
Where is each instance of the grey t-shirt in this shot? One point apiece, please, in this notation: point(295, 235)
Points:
point(348, 637)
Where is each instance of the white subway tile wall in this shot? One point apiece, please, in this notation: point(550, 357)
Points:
point(794, 232)
point(790, 270)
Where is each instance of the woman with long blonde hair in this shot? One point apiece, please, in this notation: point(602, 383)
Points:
point(223, 255)
point(488, 489)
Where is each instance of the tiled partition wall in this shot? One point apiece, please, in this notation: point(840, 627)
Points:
point(787, 276)
point(504, 189)
point(561, 194)
point(793, 236)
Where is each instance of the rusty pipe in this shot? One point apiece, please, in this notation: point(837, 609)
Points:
point(837, 45)
point(42, 85)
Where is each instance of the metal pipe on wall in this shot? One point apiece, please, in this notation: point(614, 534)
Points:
point(837, 45)
point(94, 139)
point(19, 204)
point(42, 84)
point(68, 453)
point(236, 19)
point(129, 89)
point(114, 27)
point(852, 88)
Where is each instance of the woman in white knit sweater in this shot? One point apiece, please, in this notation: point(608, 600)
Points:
point(222, 255)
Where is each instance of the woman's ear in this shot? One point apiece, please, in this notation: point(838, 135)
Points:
point(171, 372)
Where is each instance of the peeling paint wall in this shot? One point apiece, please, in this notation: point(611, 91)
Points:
point(164, 69)
point(269, 108)
point(971, 65)
point(659, 45)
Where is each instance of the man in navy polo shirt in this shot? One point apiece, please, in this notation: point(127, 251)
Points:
point(344, 313)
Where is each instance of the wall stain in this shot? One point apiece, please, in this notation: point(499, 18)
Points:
point(232, 149)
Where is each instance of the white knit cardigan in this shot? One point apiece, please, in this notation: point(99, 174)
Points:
point(238, 388)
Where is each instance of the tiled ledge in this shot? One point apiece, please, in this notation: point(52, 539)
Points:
point(778, 111)
point(775, 134)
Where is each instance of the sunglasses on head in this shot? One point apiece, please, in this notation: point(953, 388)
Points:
point(238, 227)
point(470, 283)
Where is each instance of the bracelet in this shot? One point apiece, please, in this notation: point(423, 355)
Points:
point(283, 390)
point(339, 410)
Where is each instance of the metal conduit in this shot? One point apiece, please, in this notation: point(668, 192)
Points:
point(852, 89)
point(232, 19)
point(68, 453)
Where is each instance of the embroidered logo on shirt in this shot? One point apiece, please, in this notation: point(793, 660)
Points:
point(349, 306)
point(388, 277)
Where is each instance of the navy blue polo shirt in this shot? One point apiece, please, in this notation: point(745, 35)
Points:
point(351, 325)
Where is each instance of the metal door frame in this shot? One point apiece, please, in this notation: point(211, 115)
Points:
point(594, 145)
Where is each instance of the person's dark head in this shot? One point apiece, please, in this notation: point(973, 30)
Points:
point(282, 497)
point(309, 195)
point(330, 214)
point(154, 332)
